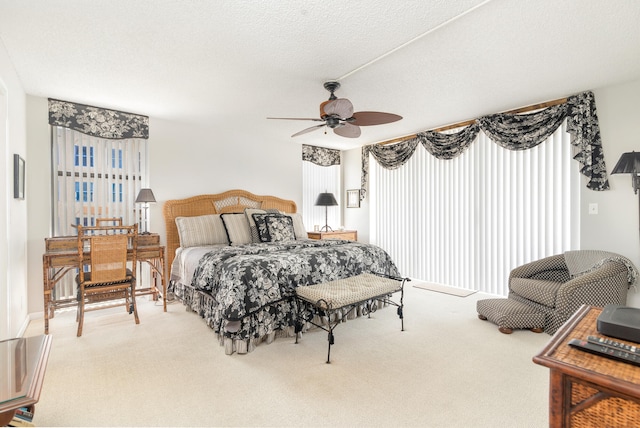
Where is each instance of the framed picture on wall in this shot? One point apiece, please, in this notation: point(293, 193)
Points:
point(353, 198)
point(18, 177)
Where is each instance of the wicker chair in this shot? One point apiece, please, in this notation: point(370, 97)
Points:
point(108, 281)
point(547, 286)
point(111, 221)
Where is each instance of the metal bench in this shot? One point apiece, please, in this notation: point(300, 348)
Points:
point(333, 301)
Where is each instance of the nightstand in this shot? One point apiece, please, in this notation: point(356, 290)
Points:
point(349, 235)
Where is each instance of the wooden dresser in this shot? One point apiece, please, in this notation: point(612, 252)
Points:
point(587, 390)
point(349, 235)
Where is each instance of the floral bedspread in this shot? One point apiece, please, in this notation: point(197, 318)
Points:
point(246, 279)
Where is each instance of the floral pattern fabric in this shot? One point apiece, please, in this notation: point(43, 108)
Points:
point(448, 146)
point(98, 122)
point(252, 286)
point(280, 228)
point(320, 155)
point(513, 132)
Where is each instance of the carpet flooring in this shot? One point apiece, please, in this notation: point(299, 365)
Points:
point(447, 369)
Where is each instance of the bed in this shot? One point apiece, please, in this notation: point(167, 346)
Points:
point(236, 259)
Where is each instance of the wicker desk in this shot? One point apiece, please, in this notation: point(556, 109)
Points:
point(587, 390)
point(60, 258)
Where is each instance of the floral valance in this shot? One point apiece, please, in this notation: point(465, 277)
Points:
point(320, 155)
point(513, 132)
point(98, 122)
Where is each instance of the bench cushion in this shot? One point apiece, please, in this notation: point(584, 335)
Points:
point(348, 291)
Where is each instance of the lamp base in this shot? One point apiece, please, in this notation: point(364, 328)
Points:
point(326, 228)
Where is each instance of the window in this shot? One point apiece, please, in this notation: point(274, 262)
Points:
point(468, 221)
point(95, 177)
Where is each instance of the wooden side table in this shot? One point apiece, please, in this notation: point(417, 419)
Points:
point(349, 235)
point(585, 389)
point(24, 363)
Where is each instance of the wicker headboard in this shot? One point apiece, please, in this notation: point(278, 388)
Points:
point(232, 201)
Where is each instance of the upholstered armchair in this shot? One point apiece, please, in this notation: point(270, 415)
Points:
point(555, 289)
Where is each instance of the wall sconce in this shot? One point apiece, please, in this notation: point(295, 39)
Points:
point(145, 196)
point(629, 163)
point(326, 200)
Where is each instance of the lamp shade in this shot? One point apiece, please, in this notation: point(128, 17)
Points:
point(326, 200)
point(145, 195)
point(629, 163)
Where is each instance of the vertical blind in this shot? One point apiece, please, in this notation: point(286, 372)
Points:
point(95, 178)
point(315, 180)
point(467, 221)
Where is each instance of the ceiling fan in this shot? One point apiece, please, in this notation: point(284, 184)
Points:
point(337, 114)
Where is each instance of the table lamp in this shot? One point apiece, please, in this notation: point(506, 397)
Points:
point(145, 196)
point(326, 200)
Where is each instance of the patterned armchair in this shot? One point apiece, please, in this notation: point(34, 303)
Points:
point(548, 285)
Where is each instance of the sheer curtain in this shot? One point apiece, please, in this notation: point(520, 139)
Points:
point(95, 177)
point(469, 220)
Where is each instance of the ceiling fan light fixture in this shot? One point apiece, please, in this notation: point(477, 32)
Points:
point(337, 114)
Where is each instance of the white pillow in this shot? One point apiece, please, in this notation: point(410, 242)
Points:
point(237, 227)
point(298, 226)
point(201, 230)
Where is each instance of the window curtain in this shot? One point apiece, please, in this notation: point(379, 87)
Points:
point(320, 173)
point(513, 132)
point(467, 221)
point(99, 164)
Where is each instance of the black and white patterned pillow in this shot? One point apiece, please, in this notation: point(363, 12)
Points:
point(279, 227)
point(261, 226)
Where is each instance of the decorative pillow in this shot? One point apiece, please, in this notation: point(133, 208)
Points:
point(261, 226)
point(237, 227)
point(249, 212)
point(201, 230)
point(298, 226)
point(279, 227)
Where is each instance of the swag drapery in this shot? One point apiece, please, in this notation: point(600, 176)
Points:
point(510, 131)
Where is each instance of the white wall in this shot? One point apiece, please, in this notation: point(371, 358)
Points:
point(13, 212)
point(616, 226)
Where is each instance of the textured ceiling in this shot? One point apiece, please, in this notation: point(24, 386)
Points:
point(230, 64)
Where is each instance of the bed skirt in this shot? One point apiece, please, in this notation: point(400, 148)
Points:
point(264, 325)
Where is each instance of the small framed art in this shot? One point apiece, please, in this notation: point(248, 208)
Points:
point(353, 198)
point(18, 177)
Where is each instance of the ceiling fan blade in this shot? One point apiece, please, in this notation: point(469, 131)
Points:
point(340, 107)
point(367, 118)
point(348, 130)
point(297, 118)
point(304, 131)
